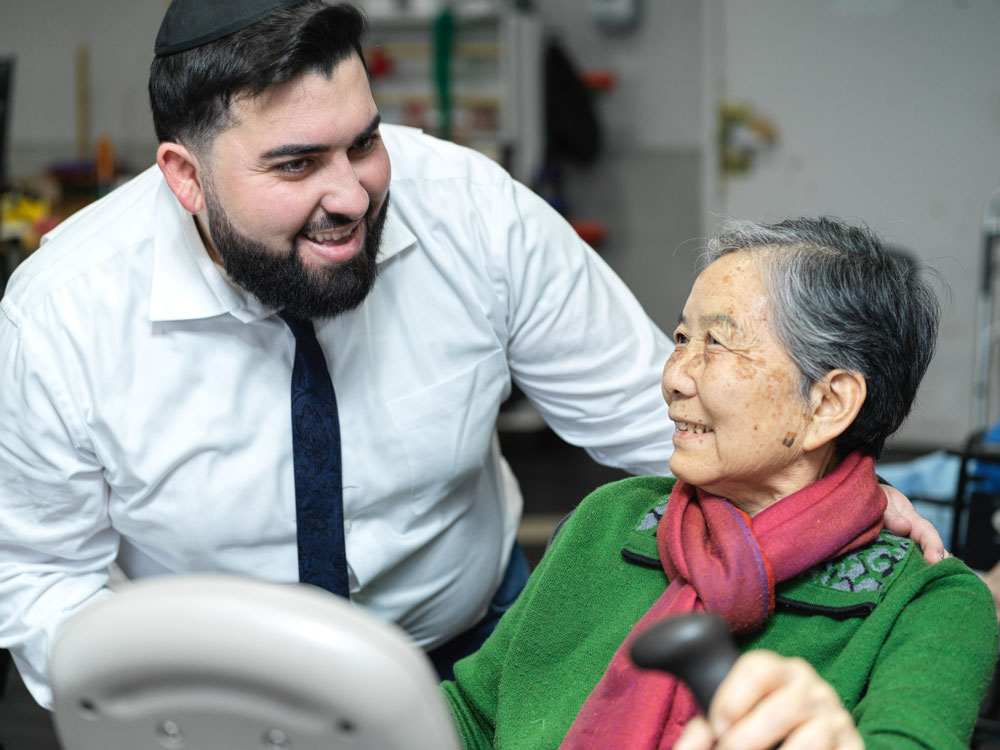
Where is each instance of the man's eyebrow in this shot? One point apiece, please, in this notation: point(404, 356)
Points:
point(370, 130)
point(304, 149)
point(295, 149)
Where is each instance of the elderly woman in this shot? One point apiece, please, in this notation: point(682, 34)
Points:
point(798, 352)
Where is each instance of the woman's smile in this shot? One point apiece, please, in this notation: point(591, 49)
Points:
point(687, 429)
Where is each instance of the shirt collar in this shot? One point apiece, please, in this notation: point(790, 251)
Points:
point(396, 236)
point(189, 285)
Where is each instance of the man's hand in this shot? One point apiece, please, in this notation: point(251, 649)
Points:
point(767, 700)
point(900, 518)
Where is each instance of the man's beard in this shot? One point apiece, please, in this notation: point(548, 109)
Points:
point(283, 282)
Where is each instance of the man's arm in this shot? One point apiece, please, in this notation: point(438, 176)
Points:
point(55, 537)
point(580, 345)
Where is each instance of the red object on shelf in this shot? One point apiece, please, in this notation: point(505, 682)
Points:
point(379, 62)
point(591, 232)
point(599, 80)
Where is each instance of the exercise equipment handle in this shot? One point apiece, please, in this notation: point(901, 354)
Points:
point(697, 648)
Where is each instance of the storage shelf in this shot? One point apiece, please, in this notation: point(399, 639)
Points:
point(495, 79)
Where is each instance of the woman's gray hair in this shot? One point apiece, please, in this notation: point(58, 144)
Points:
point(843, 299)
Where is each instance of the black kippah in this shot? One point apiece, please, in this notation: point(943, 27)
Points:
point(191, 23)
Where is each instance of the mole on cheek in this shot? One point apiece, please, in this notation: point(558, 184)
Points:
point(789, 440)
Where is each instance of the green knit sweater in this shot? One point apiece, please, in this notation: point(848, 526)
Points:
point(909, 647)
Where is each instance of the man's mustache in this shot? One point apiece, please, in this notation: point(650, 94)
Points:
point(332, 222)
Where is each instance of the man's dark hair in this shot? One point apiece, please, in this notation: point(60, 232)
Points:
point(843, 299)
point(191, 91)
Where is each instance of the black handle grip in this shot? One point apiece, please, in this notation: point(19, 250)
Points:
point(696, 648)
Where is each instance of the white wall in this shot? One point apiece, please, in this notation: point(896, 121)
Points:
point(888, 113)
point(44, 36)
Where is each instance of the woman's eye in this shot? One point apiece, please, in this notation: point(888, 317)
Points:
point(680, 338)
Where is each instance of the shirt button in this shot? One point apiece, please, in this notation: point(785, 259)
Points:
point(347, 526)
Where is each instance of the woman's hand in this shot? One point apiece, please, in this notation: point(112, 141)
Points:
point(767, 699)
point(900, 518)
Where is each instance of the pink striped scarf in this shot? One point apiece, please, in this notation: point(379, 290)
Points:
point(719, 559)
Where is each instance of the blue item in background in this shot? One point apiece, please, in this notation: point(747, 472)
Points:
point(932, 480)
point(926, 479)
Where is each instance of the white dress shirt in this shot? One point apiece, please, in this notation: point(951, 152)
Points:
point(145, 417)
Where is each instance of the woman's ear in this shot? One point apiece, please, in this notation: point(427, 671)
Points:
point(182, 171)
point(836, 401)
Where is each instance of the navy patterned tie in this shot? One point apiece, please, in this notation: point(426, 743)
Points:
point(319, 501)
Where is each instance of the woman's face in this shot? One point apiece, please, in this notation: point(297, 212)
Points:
point(733, 392)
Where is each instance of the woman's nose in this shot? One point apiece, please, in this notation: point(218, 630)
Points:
point(677, 373)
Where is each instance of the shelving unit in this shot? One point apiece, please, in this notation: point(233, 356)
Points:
point(495, 79)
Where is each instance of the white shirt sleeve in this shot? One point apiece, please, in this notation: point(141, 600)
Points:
point(55, 526)
point(580, 345)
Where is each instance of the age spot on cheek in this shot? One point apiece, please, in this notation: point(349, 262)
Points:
point(789, 440)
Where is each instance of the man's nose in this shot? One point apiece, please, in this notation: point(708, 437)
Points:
point(343, 191)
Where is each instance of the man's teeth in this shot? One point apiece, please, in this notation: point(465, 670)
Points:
point(331, 236)
point(697, 429)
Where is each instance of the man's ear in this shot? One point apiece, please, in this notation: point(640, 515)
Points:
point(835, 401)
point(183, 173)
